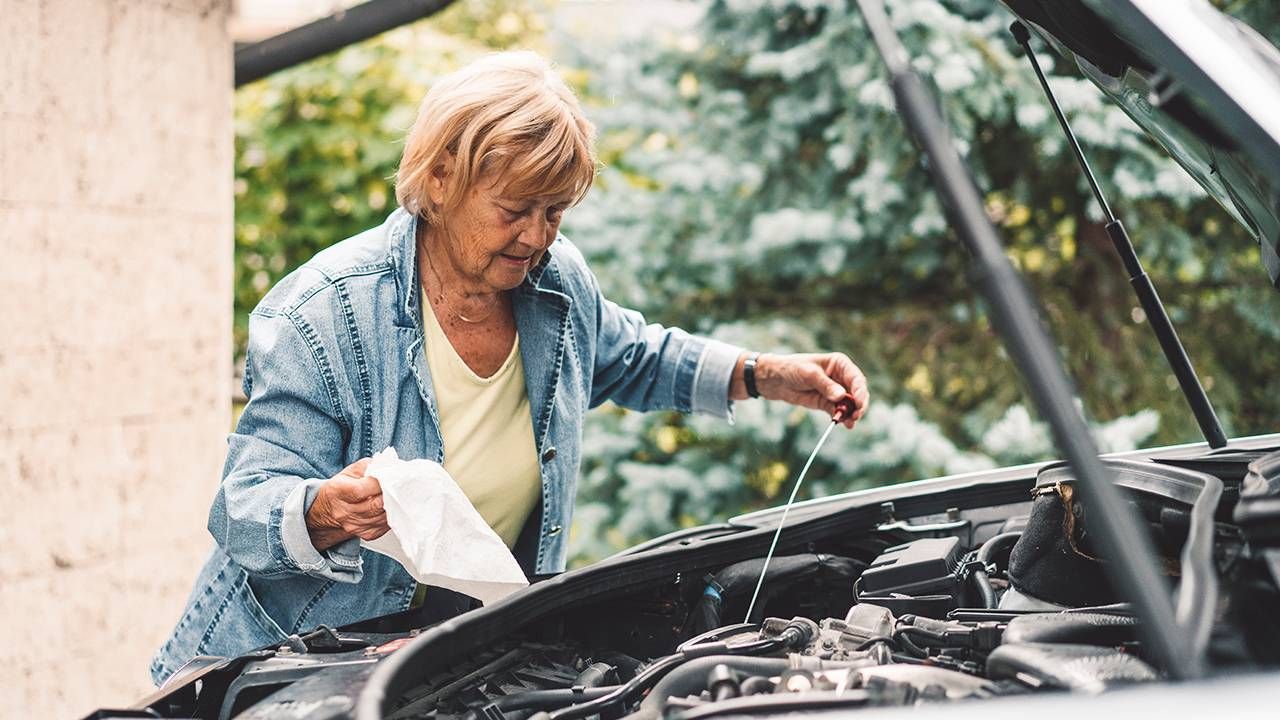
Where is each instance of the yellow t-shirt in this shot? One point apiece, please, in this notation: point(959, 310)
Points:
point(487, 432)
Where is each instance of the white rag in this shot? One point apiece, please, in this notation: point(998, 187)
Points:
point(436, 533)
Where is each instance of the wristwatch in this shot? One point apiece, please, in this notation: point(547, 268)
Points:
point(749, 375)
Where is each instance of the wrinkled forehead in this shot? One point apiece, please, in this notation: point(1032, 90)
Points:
point(513, 192)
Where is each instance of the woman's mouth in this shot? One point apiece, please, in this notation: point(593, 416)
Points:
point(515, 260)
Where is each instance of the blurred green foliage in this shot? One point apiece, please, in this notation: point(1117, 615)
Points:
point(758, 187)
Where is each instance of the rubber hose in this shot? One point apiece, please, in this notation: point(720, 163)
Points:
point(983, 584)
point(691, 678)
point(522, 704)
point(596, 675)
point(986, 553)
point(549, 699)
point(996, 544)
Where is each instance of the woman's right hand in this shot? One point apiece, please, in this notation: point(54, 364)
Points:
point(347, 505)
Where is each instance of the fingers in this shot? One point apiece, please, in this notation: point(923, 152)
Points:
point(369, 507)
point(373, 533)
point(843, 370)
point(355, 489)
point(820, 382)
point(367, 528)
point(366, 520)
point(356, 504)
point(363, 515)
point(831, 390)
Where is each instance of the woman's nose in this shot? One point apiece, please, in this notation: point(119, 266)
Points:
point(537, 233)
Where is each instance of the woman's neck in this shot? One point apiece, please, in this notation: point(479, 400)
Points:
point(450, 288)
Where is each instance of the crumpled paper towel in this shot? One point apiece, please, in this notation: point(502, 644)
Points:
point(437, 534)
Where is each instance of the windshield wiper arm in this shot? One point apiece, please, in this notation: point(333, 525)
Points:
point(1132, 569)
point(1174, 352)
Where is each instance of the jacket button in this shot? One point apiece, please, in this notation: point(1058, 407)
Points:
point(549, 454)
point(553, 530)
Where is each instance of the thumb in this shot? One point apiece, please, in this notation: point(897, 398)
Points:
point(369, 486)
point(831, 389)
point(356, 485)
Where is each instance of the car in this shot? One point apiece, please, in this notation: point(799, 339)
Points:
point(1141, 582)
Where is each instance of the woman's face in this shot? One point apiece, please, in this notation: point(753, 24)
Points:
point(493, 239)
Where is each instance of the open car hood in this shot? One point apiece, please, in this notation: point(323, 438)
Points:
point(1205, 86)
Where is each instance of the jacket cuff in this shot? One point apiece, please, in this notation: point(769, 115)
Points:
point(711, 380)
point(340, 562)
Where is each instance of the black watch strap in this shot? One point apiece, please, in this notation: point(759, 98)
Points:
point(749, 375)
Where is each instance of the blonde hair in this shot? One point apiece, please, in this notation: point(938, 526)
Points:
point(505, 115)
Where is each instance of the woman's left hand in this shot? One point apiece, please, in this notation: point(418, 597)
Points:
point(812, 380)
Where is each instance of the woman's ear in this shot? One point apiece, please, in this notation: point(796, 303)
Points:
point(439, 179)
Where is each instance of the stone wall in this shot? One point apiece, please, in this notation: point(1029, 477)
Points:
point(115, 314)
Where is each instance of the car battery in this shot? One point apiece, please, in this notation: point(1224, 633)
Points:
point(923, 577)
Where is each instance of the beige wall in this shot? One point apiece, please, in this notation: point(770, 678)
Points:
point(115, 318)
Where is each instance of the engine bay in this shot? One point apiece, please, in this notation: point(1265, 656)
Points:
point(966, 604)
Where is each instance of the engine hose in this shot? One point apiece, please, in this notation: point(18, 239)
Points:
point(904, 640)
point(999, 543)
point(795, 634)
point(655, 670)
point(756, 685)
point(982, 584)
point(663, 665)
point(981, 581)
point(550, 699)
point(691, 679)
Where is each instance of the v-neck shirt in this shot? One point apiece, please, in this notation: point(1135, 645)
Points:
point(487, 429)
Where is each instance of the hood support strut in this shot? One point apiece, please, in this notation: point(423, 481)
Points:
point(1133, 563)
point(1174, 352)
point(346, 27)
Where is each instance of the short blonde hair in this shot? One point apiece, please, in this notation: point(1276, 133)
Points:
point(505, 115)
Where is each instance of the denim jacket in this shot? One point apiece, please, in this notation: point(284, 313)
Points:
point(336, 371)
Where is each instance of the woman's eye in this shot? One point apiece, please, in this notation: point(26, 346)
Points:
point(554, 214)
point(515, 213)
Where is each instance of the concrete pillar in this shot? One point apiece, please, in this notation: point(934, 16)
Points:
point(115, 321)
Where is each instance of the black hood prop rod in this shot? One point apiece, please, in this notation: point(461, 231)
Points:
point(1174, 352)
point(1132, 566)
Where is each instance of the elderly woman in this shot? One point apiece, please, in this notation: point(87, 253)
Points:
point(465, 330)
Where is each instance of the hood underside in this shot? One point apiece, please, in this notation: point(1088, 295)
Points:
point(1205, 86)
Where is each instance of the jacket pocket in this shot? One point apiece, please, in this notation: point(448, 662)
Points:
point(223, 617)
point(240, 624)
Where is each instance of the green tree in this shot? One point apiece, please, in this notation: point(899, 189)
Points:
point(759, 181)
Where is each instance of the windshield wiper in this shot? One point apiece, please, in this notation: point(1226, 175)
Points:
point(1133, 564)
point(1174, 352)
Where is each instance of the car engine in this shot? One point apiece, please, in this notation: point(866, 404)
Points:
point(971, 603)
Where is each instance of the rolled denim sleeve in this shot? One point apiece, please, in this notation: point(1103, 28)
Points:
point(289, 440)
point(645, 366)
point(711, 381)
